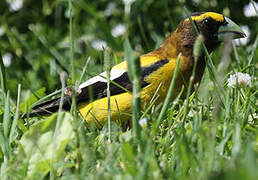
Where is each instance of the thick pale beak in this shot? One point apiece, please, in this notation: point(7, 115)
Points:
point(230, 29)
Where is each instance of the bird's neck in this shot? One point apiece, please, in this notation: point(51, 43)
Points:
point(175, 44)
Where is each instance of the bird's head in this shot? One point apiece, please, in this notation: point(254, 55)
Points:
point(213, 26)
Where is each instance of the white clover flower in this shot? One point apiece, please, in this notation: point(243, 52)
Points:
point(7, 59)
point(128, 4)
point(239, 80)
point(249, 10)
point(15, 5)
point(110, 9)
point(99, 44)
point(143, 122)
point(118, 30)
point(128, 1)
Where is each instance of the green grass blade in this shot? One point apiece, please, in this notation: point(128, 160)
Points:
point(107, 63)
point(170, 92)
point(7, 116)
point(4, 144)
point(134, 72)
point(254, 48)
point(84, 70)
point(58, 121)
point(71, 41)
point(14, 123)
point(2, 74)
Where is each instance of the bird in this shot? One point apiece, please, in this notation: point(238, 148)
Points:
point(157, 68)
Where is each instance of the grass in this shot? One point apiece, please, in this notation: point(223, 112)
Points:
point(215, 141)
point(210, 135)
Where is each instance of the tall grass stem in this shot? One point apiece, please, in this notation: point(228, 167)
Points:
point(170, 91)
point(107, 63)
point(134, 72)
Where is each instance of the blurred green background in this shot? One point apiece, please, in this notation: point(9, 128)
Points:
point(34, 35)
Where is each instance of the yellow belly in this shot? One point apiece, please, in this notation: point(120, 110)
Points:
point(97, 111)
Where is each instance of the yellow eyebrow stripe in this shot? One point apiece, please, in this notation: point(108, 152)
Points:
point(215, 16)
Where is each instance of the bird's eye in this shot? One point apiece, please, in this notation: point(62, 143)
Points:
point(210, 25)
point(206, 22)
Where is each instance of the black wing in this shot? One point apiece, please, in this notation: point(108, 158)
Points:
point(99, 90)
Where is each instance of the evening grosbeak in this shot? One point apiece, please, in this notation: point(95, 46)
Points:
point(157, 68)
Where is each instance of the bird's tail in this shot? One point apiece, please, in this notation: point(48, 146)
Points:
point(50, 106)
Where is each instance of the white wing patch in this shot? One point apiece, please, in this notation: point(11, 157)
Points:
point(115, 73)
